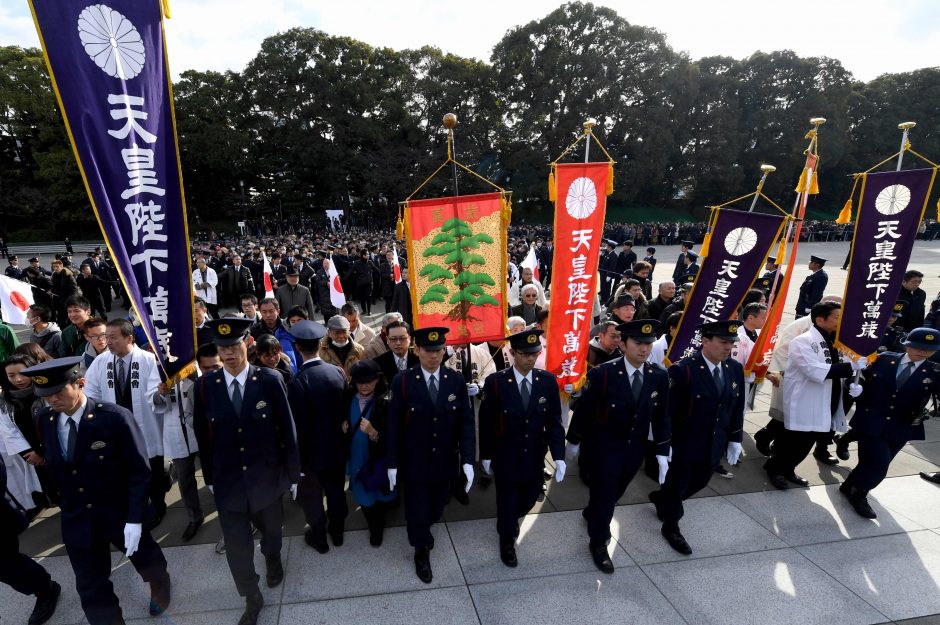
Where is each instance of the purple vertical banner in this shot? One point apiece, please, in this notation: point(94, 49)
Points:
point(740, 244)
point(891, 207)
point(109, 70)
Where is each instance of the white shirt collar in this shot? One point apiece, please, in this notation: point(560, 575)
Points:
point(631, 368)
point(906, 359)
point(711, 366)
point(429, 374)
point(241, 377)
point(520, 377)
point(75, 416)
point(310, 360)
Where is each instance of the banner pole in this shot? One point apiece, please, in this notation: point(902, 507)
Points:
point(588, 131)
point(767, 170)
point(905, 127)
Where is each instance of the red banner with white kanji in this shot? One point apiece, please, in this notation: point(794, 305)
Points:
point(580, 207)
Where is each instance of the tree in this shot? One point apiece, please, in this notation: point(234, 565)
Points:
point(456, 243)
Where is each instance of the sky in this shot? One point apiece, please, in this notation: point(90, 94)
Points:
point(870, 37)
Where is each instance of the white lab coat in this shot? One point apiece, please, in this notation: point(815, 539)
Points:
point(806, 390)
point(658, 351)
point(480, 361)
point(210, 295)
point(22, 480)
point(98, 387)
point(179, 438)
point(741, 352)
point(778, 362)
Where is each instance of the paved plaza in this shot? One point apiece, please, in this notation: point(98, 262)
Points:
point(761, 556)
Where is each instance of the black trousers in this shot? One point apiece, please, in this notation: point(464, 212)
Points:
point(159, 484)
point(240, 545)
point(310, 492)
point(790, 449)
point(685, 478)
point(874, 457)
point(605, 490)
point(424, 505)
point(19, 571)
point(91, 562)
point(514, 499)
point(186, 477)
point(375, 517)
point(106, 295)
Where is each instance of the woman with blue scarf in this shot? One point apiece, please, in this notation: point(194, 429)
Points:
point(368, 469)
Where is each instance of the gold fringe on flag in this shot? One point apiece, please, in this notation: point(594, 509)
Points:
point(705, 243)
point(938, 209)
point(846, 215)
point(814, 184)
point(782, 250)
point(610, 178)
point(552, 189)
point(400, 227)
point(505, 208)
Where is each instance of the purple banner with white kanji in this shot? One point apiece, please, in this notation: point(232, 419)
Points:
point(739, 245)
point(891, 207)
point(109, 71)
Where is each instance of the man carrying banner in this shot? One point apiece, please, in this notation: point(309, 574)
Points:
point(706, 413)
point(812, 289)
point(813, 400)
point(620, 401)
point(891, 411)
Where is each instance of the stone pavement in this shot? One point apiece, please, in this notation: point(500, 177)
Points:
point(760, 555)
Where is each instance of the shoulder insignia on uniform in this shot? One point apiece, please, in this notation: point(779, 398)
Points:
point(451, 397)
point(542, 400)
point(261, 404)
point(99, 445)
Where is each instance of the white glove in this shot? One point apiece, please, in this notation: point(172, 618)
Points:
point(663, 468)
point(855, 390)
point(468, 471)
point(293, 492)
point(211, 491)
point(571, 451)
point(750, 377)
point(473, 390)
point(392, 478)
point(486, 466)
point(734, 452)
point(132, 532)
point(807, 311)
point(569, 388)
point(860, 364)
point(560, 468)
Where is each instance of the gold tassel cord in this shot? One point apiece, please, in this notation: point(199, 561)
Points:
point(938, 210)
point(845, 216)
point(782, 250)
point(552, 189)
point(814, 185)
point(610, 178)
point(165, 5)
point(400, 226)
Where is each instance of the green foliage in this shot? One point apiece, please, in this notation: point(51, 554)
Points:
point(318, 121)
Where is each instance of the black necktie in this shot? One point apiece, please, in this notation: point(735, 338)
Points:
point(122, 376)
point(432, 389)
point(906, 371)
point(525, 393)
point(716, 373)
point(637, 385)
point(237, 397)
point(70, 441)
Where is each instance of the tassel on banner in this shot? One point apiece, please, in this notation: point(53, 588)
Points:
point(814, 185)
point(781, 250)
point(801, 183)
point(938, 209)
point(505, 212)
point(705, 243)
point(552, 189)
point(846, 215)
point(400, 228)
point(610, 178)
point(165, 5)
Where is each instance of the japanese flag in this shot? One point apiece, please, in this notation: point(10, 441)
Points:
point(396, 266)
point(532, 263)
point(337, 298)
point(268, 282)
point(15, 297)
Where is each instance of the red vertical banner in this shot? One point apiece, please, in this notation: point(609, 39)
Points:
point(580, 207)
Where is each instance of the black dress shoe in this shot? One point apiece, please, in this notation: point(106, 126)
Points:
point(601, 558)
point(676, 540)
point(793, 478)
point(826, 458)
point(45, 604)
point(317, 542)
point(191, 530)
point(655, 498)
point(484, 481)
point(547, 475)
point(423, 565)
point(337, 538)
point(842, 449)
point(275, 572)
point(253, 605)
point(762, 442)
point(507, 553)
point(931, 477)
point(375, 538)
point(160, 592)
point(861, 505)
point(778, 480)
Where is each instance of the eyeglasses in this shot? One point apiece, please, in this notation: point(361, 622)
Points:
point(397, 339)
point(96, 337)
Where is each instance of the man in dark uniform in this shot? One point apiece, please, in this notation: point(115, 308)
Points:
point(607, 269)
point(248, 453)
point(706, 412)
point(914, 298)
point(891, 411)
point(622, 398)
point(13, 270)
point(316, 401)
point(519, 416)
point(812, 289)
point(429, 417)
point(626, 259)
point(679, 271)
point(17, 570)
point(95, 454)
point(691, 267)
point(770, 280)
point(894, 334)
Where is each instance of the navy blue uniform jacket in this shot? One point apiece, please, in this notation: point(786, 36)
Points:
point(316, 401)
point(886, 411)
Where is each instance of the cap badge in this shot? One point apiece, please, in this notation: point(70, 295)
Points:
point(732, 328)
point(532, 339)
point(647, 328)
point(225, 329)
point(928, 337)
point(433, 336)
point(40, 379)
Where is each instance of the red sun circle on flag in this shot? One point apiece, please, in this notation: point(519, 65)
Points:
point(336, 284)
point(19, 301)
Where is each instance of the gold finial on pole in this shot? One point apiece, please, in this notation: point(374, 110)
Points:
point(588, 131)
point(905, 128)
point(766, 170)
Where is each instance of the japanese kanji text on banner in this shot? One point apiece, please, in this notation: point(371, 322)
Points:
point(457, 265)
point(109, 70)
point(580, 207)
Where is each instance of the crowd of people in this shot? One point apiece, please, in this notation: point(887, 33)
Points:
point(295, 398)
